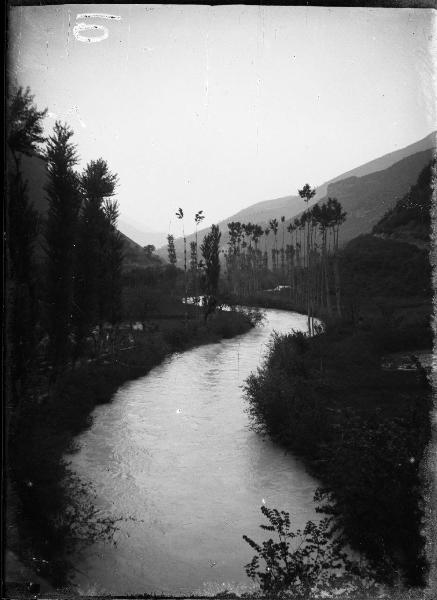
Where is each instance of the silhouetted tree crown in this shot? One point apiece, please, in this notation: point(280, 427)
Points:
point(64, 204)
point(25, 131)
point(210, 252)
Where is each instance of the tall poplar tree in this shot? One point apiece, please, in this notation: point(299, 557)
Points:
point(210, 249)
point(99, 252)
point(171, 250)
point(112, 283)
point(64, 204)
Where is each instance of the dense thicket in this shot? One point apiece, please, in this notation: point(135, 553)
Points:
point(361, 427)
point(376, 267)
point(362, 430)
point(42, 316)
point(24, 136)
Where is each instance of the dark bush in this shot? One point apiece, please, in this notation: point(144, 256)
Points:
point(362, 430)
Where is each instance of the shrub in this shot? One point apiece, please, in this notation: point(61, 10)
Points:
point(302, 563)
point(253, 314)
point(362, 431)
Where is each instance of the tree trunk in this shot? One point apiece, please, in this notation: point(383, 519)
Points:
point(337, 285)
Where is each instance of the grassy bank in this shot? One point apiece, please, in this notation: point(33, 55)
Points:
point(55, 512)
point(362, 431)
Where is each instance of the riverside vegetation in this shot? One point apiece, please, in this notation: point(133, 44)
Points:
point(361, 428)
point(80, 322)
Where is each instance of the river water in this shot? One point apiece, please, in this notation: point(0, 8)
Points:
point(173, 453)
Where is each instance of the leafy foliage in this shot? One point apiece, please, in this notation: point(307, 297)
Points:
point(64, 204)
point(254, 315)
point(171, 250)
point(303, 563)
point(24, 135)
point(362, 430)
point(25, 131)
point(210, 252)
point(99, 254)
point(287, 567)
point(97, 182)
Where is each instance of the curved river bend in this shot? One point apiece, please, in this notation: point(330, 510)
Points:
point(174, 451)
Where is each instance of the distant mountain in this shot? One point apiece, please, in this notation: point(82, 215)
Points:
point(34, 171)
point(289, 206)
point(135, 257)
point(383, 162)
point(143, 237)
point(365, 192)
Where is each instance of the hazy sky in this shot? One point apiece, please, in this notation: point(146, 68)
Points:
point(217, 108)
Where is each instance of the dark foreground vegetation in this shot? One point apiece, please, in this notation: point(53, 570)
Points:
point(361, 428)
point(55, 513)
point(82, 319)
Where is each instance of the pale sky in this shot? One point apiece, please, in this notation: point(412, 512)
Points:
point(217, 108)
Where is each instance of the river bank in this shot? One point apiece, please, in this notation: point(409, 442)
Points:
point(50, 508)
point(354, 402)
point(173, 451)
point(400, 323)
point(362, 430)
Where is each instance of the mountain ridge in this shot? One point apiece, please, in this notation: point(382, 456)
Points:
point(292, 206)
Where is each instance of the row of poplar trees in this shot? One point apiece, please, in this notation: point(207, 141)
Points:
point(199, 275)
point(306, 262)
point(57, 297)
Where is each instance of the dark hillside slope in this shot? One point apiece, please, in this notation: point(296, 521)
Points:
point(141, 236)
point(387, 277)
point(292, 205)
point(387, 160)
point(410, 219)
point(366, 199)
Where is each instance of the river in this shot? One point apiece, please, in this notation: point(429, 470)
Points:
point(174, 452)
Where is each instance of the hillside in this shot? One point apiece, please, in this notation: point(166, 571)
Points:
point(262, 212)
point(366, 199)
point(365, 192)
point(34, 171)
point(410, 219)
point(143, 237)
point(387, 274)
point(386, 161)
